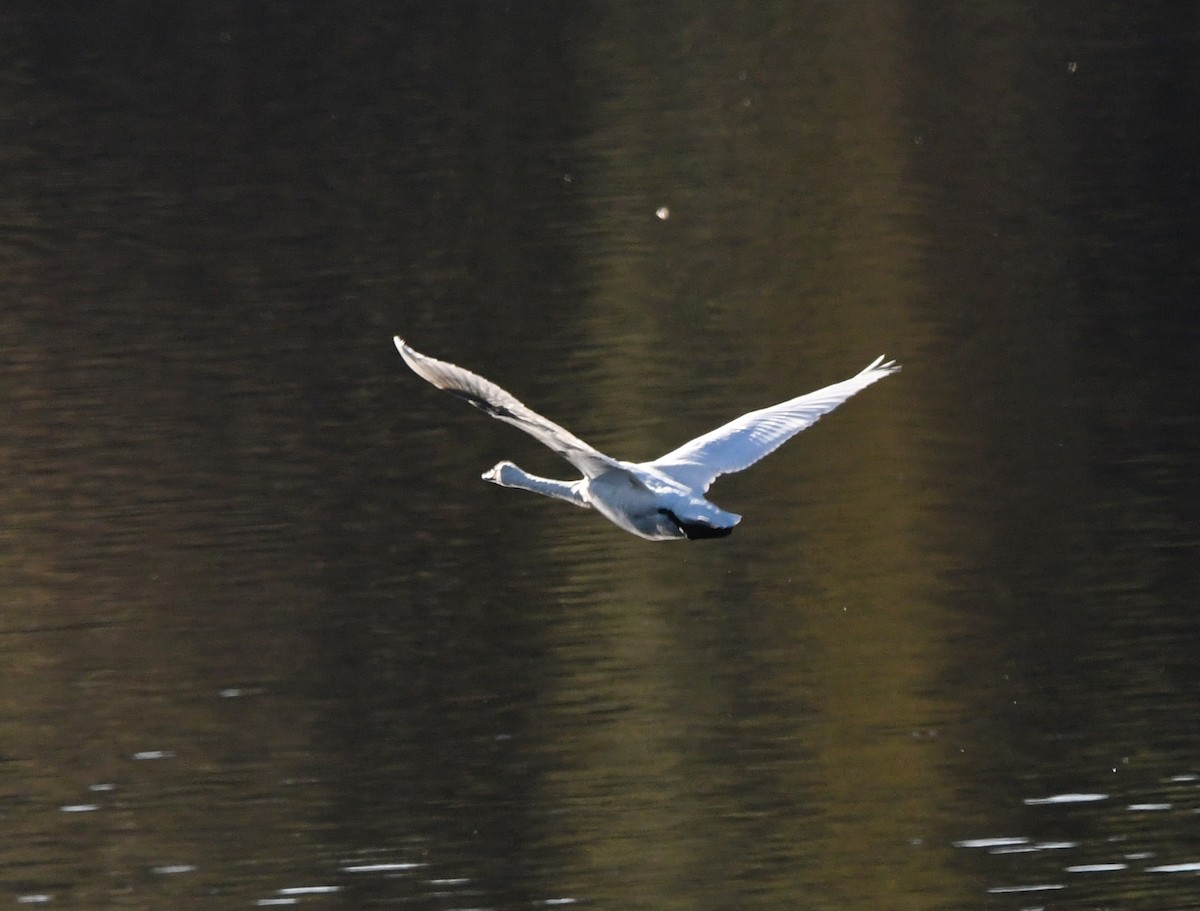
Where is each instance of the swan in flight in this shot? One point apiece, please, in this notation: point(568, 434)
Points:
point(659, 500)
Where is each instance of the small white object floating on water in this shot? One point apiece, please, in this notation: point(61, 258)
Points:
point(661, 500)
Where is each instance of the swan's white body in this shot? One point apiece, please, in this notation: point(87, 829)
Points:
point(660, 500)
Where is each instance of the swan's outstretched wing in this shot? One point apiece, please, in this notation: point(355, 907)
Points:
point(489, 397)
point(742, 442)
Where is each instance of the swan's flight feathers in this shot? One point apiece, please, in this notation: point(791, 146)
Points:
point(487, 396)
point(742, 442)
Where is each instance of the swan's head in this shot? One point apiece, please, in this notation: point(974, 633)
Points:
point(506, 474)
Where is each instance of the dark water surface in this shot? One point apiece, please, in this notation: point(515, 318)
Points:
point(266, 639)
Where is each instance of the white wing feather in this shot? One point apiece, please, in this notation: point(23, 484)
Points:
point(742, 442)
point(489, 397)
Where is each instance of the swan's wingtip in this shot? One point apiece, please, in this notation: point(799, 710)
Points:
point(883, 365)
point(399, 343)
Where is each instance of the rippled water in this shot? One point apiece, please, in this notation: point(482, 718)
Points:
point(266, 639)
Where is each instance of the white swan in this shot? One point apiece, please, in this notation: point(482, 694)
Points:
point(659, 500)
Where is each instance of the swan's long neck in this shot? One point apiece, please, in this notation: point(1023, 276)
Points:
point(506, 474)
